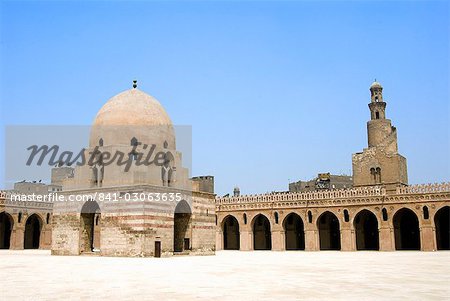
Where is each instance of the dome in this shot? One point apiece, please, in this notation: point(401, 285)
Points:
point(375, 84)
point(132, 107)
point(129, 115)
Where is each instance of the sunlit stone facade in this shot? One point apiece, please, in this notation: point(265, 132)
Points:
point(381, 212)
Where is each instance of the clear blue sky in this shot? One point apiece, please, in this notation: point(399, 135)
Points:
point(273, 90)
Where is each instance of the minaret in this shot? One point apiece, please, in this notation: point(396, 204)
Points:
point(380, 164)
point(377, 105)
point(380, 131)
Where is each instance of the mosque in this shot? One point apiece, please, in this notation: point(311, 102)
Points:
point(157, 210)
point(381, 211)
point(141, 208)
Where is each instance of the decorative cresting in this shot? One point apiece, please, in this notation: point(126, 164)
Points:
point(303, 196)
point(424, 188)
point(7, 199)
point(6, 194)
point(332, 198)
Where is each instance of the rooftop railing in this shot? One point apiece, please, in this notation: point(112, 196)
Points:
point(424, 188)
point(303, 196)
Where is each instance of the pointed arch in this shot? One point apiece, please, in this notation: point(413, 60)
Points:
point(385, 214)
point(366, 230)
point(406, 230)
point(90, 227)
point(262, 235)
point(426, 212)
point(329, 231)
point(6, 227)
point(32, 234)
point(168, 170)
point(294, 232)
point(442, 224)
point(230, 228)
point(182, 227)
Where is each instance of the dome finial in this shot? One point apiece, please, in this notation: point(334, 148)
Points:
point(134, 84)
point(376, 85)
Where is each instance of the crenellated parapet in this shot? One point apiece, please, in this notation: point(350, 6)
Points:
point(329, 198)
point(424, 188)
point(333, 198)
point(303, 196)
point(17, 200)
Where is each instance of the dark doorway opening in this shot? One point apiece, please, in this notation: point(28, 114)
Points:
point(187, 244)
point(230, 233)
point(406, 230)
point(442, 224)
point(366, 229)
point(294, 232)
point(181, 227)
point(262, 238)
point(90, 227)
point(329, 232)
point(157, 249)
point(6, 226)
point(32, 235)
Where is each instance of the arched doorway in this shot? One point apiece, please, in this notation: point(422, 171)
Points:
point(294, 233)
point(366, 229)
point(182, 227)
point(6, 226)
point(32, 235)
point(262, 238)
point(230, 233)
point(329, 233)
point(90, 227)
point(442, 224)
point(406, 230)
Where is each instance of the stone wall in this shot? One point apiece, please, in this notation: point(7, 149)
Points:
point(131, 228)
point(203, 224)
point(423, 201)
point(19, 213)
point(65, 234)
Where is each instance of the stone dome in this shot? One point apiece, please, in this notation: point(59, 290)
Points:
point(375, 84)
point(132, 114)
point(132, 107)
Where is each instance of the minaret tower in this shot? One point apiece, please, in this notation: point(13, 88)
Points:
point(380, 131)
point(380, 164)
point(377, 105)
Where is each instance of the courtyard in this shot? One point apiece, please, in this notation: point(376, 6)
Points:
point(230, 275)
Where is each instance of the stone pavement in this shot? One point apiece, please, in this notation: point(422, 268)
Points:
point(230, 275)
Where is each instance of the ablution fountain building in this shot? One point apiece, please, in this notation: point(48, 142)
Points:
point(380, 212)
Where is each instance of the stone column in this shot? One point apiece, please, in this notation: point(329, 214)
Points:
point(246, 243)
point(311, 240)
point(277, 240)
point(427, 238)
point(386, 238)
point(17, 237)
point(347, 241)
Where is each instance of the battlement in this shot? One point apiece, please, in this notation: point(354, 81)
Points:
point(424, 188)
point(333, 194)
point(303, 196)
